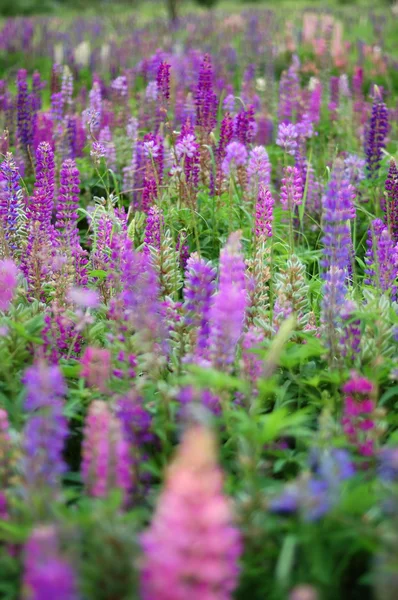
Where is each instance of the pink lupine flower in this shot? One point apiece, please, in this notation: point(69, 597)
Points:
point(8, 282)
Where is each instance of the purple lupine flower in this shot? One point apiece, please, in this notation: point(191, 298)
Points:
point(338, 210)
point(8, 282)
point(11, 206)
point(186, 146)
point(292, 189)
point(314, 109)
point(226, 134)
point(376, 134)
point(205, 98)
point(120, 86)
point(106, 461)
point(68, 204)
point(390, 205)
point(287, 137)
point(97, 152)
point(47, 574)
point(149, 193)
point(309, 496)
point(264, 213)
point(228, 309)
point(25, 113)
point(136, 420)
point(46, 430)
point(153, 229)
point(252, 364)
point(163, 81)
point(57, 107)
point(235, 156)
point(289, 93)
point(229, 103)
point(333, 299)
point(41, 204)
point(151, 92)
point(154, 152)
point(354, 169)
point(206, 398)
point(198, 293)
point(245, 126)
point(258, 168)
point(381, 259)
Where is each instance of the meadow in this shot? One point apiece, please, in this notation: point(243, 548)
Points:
point(199, 305)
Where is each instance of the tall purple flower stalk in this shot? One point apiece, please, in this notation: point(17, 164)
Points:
point(46, 430)
point(245, 126)
point(289, 93)
point(198, 293)
point(376, 134)
point(228, 310)
point(205, 98)
point(390, 205)
point(11, 208)
point(292, 188)
point(68, 203)
point(153, 229)
point(41, 204)
point(25, 117)
point(338, 210)
point(382, 259)
point(264, 213)
point(47, 574)
point(258, 168)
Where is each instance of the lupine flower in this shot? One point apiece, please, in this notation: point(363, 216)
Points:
point(287, 137)
point(245, 126)
point(68, 204)
point(376, 134)
point(153, 229)
point(292, 188)
point(96, 367)
point(333, 299)
point(264, 213)
point(350, 340)
point(47, 575)
point(390, 206)
point(198, 293)
point(258, 167)
point(25, 113)
point(359, 414)
point(289, 93)
point(228, 310)
point(46, 430)
point(8, 282)
point(354, 169)
point(338, 209)
point(83, 297)
point(205, 398)
point(235, 156)
point(11, 204)
point(291, 293)
point(205, 98)
point(41, 204)
point(163, 81)
point(106, 457)
point(252, 363)
point(151, 92)
point(97, 152)
point(191, 548)
point(382, 259)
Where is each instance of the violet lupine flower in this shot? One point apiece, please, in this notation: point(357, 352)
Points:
point(57, 107)
point(41, 204)
point(163, 81)
point(333, 298)
point(381, 259)
point(154, 151)
point(46, 430)
point(151, 92)
point(25, 119)
point(120, 86)
point(11, 206)
point(96, 367)
point(245, 126)
point(136, 420)
point(97, 152)
point(205, 98)
point(287, 137)
point(188, 153)
point(191, 549)
point(338, 210)
point(264, 213)
point(68, 204)
point(258, 167)
point(292, 189)
point(226, 134)
point(153, 229)
point(235, 156)
point(314, 109)
point(390, 205)
point(289, 93)
point(106, 463)
point(354, 169)
point(47, 575)
point(198, 293)
point(8, 282)
point(229, 103)
point(358, 418)
point(228, 309)
point(376, 134)
point(206, 398)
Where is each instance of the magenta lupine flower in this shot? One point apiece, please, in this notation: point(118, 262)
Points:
point(163, 81)
point(226, 134)
point(228, 309)
point(8, 282)
point(96, 367)
point(381, 259)
point(205, 98)
point(25, 119)
point(245, 126)
point(358, 418)
point(106, 463)
point(149, 193)
point(198, 293)
point(41, 204)
point(46, 430)
point(47, 574)
point(376, 134)
point(191, 549)
point(258, 168)
point(287, 137)
point(338, 210)
point(314, 109)
point(292, 188)
point(153, 229)
point(264, 213)
point(68, 204)
point(235, 156)
point(390, 206)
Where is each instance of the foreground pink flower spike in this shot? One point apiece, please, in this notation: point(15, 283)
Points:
point(8, 282)
point(191, 549)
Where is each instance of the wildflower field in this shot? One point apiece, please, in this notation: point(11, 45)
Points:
point(198, 306)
